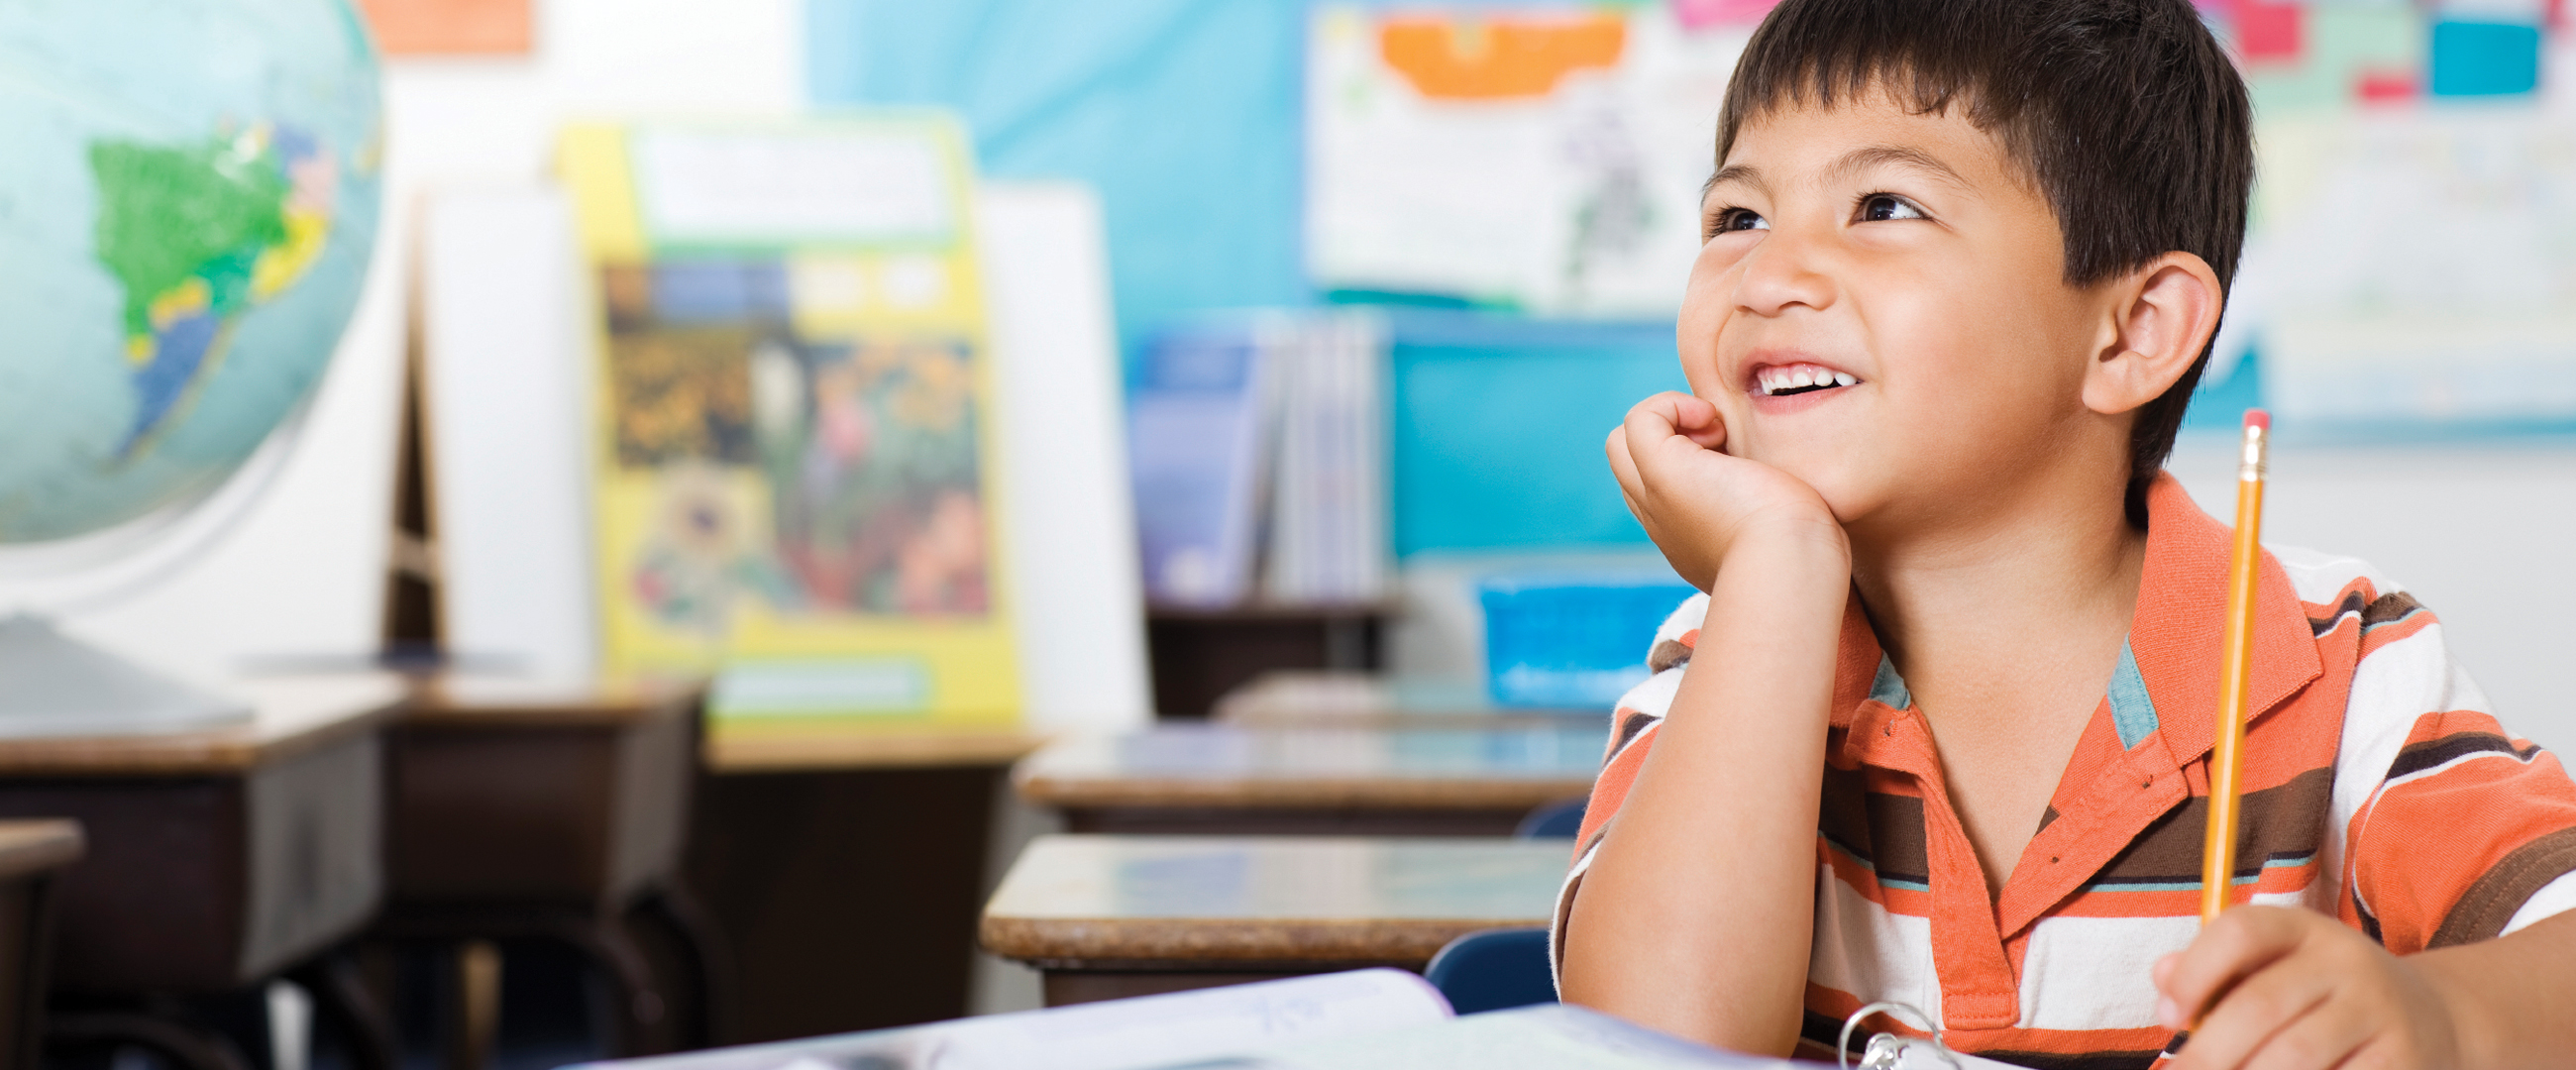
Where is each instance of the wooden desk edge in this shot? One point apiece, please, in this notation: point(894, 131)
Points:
point(1223, 943)
point(220, 751)
point(733, 750)
point(36, 846)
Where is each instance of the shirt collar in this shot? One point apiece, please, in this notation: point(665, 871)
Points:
point(2182, 620)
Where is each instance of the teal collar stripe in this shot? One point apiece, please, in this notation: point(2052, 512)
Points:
point(1888, 688)
point(2132, 712)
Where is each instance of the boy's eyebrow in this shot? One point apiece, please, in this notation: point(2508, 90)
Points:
point(1911, 159)
point(1852, 163)
point(1735, 173)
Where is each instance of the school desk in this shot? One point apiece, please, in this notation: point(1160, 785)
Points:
point(1227, 779)
point(32, 855)
point(553, 809)
point(1110, 916)
point(217, 859)
point(1325, 697)
point(842, 866)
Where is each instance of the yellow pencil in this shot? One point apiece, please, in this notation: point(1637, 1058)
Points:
point(2227, 755)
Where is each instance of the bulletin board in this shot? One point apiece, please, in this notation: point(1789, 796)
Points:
point(2410, 266)
point(795, 473)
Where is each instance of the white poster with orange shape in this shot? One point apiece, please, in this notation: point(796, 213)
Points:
point(1540, 159)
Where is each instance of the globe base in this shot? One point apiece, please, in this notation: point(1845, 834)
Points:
point(54, 685)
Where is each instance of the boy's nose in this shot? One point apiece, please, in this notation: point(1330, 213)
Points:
point(1779, 274)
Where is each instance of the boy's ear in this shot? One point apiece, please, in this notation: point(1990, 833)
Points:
point(2161, 316)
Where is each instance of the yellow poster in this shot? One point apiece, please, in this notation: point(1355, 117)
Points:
point(795, 475)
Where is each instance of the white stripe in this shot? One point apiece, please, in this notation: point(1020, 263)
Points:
point(2554, 898)
point(2392, 688)
point(2097, 973)
point(2320, 578)
point(1870, 952)
point(1653, 697)
point(1682, 619)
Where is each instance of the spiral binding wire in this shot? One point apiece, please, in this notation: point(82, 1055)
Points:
point(1887, 1051)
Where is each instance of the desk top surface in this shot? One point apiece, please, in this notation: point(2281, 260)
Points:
point(1216, 765)
point(34, 846)
point(469, 700)
point(1318, 698)
point(793, 748)
point(1213, 900)
point(291, 715)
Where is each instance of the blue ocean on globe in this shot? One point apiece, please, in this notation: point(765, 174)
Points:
point(188, 202)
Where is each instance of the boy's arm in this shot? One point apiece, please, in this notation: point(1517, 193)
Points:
point(1697, 911)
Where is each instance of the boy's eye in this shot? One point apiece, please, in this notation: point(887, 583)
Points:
point(1880, 207)
point(1734, 219)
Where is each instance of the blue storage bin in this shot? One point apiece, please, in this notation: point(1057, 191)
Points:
point(1572, 641)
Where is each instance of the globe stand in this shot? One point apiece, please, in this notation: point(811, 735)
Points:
point(60, 686)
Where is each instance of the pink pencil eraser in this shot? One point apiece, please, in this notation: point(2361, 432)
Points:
point(2258, 418)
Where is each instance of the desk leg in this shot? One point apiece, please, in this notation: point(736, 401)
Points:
point(476, 973)
point(342, 997)
point(690, 947)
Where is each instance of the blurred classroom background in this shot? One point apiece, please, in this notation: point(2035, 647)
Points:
point(896, 389)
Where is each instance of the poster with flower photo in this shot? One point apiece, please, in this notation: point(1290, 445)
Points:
point(795, 474)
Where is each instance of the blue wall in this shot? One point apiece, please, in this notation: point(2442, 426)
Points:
point(1188, 116)
point(1185, 114)
point(1499, 423)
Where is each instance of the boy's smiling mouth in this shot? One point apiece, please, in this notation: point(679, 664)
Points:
point(1791, 380)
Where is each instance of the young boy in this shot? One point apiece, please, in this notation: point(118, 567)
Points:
point(1938, 733)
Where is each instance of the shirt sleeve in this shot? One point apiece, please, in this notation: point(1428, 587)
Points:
point(2455, 829)
point(1632, 733)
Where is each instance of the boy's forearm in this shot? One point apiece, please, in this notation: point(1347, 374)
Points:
point(2509, 997)
point(1697, 914)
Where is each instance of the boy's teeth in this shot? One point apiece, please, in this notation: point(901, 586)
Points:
point(1775, 380)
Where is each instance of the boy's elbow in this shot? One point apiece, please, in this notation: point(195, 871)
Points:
point(1604, 979)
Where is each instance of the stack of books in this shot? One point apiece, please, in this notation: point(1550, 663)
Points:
point(1259, 446)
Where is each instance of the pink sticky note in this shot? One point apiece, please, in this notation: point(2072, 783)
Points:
point(2387, 87)
point(2268, 31)
point(1698, 14)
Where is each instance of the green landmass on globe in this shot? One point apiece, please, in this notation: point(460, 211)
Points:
point(197, 234)
point(188, 207)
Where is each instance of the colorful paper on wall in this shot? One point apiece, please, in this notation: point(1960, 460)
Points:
point(795, 480)
point(1536, 158)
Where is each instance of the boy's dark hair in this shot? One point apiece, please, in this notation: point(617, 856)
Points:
point(2127, 112)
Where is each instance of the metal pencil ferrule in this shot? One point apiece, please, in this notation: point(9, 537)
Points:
point(2252, 465)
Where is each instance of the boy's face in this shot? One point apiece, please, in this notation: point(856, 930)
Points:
point(1910, 274)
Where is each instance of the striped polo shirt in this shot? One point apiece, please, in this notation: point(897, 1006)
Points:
point(2379, 789)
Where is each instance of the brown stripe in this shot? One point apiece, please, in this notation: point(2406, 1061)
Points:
point(1896, 832)
point(2418, 757)
point(1842, 815)
point(2285, 821)
point(1629, 728)
point(1667, 654)
point(2487, 905)
point(2351, 606)
point(2389, 609)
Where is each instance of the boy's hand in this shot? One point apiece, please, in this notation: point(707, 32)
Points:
point(1696, 501)
point(2290, 989)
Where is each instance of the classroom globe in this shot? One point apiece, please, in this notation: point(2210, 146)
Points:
point(188, 200)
